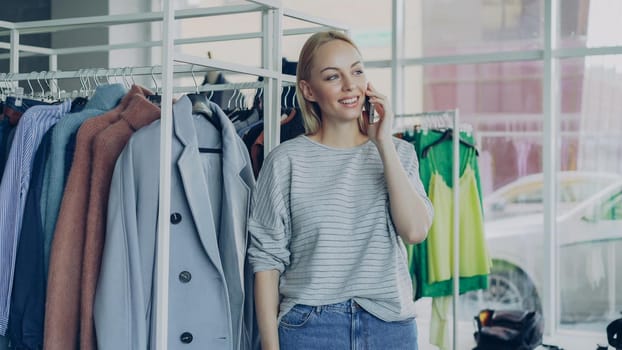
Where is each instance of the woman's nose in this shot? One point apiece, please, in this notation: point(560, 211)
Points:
point(348, 84)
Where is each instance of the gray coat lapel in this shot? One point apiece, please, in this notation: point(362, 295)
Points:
point(238, 181)
point(195, 187)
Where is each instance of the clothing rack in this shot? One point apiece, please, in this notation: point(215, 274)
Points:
point(440, 120)
point(104, 73)
point(447, 118)
point(271, 35)
point(97, 74)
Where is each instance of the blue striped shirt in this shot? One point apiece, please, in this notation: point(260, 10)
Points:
point(14, 188)
point(320, 216)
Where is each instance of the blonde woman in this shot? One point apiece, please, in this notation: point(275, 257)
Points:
point(330, 213)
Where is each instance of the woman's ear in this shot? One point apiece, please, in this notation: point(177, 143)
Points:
point(306, 91)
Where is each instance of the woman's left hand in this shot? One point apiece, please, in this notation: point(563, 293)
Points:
point(379, 132)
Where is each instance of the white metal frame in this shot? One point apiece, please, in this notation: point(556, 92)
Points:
point(550, 162)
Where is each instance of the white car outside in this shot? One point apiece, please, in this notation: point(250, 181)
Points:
point(589, 226)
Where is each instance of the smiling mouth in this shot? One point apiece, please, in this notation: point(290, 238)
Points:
point(349, 101)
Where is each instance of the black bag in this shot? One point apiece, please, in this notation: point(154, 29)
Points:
point(508, 330)
point(614, 333)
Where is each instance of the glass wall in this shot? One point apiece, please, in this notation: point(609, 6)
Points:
point(590, 23)
point(590, 230)
point(503, 102)
point(455, 27)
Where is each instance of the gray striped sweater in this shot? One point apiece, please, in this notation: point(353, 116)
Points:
point(320, 216)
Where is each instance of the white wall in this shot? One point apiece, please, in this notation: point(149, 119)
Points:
point(80, 37)
point(129, 33)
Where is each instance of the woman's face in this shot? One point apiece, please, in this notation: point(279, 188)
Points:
point(337, 81)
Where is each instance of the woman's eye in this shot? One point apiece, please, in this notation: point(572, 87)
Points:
point(358, 72)
point(332, 77)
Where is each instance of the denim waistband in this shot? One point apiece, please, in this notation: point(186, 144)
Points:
point(345, 306)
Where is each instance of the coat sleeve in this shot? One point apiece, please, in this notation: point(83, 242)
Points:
point(120, 311)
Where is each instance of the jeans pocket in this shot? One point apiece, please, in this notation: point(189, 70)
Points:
point(407, 321)
point(297, 317)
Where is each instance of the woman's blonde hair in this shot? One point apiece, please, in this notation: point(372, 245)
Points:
point(311, 112)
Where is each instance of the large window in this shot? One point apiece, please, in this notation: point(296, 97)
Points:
point(498, 83)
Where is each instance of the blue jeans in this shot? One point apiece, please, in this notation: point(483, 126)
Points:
point(343, 326)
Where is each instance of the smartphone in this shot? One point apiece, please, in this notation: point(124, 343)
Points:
point(371, 113)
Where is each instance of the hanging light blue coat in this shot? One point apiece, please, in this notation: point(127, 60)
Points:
point(210, 287)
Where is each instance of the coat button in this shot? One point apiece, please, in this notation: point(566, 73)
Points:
point(185, 276)
point(175, 218)
point(186, 337)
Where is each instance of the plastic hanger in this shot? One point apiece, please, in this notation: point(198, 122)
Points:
point(79, 100)
point(200, 104)
point(446, 136)
point(155, 98)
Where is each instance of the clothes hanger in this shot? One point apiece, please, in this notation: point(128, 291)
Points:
point(91, 87)
point(446, 136)
point(47, 95)
point(31, 95)
point(286, 109)
point(39, 95)
point(2, 91)
point(241, 112)
point(155, 98)
point(294, 101)
point(232, 111)
point(81, 98)
point(240, 101)
point(200, 104)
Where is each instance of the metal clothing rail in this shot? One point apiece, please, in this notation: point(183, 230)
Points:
point(400, 125)
point(6, 78)
point(94, 75)
point(106, 73)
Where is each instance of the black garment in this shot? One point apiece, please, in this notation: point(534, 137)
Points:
point(293, 128)
point(287, 67)
point(289, 129)
point(78, 104)
point(5, 130)
point(27, 311)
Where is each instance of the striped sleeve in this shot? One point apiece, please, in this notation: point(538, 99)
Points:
point(14, 189)
point(269, 226)
point(411, 165)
